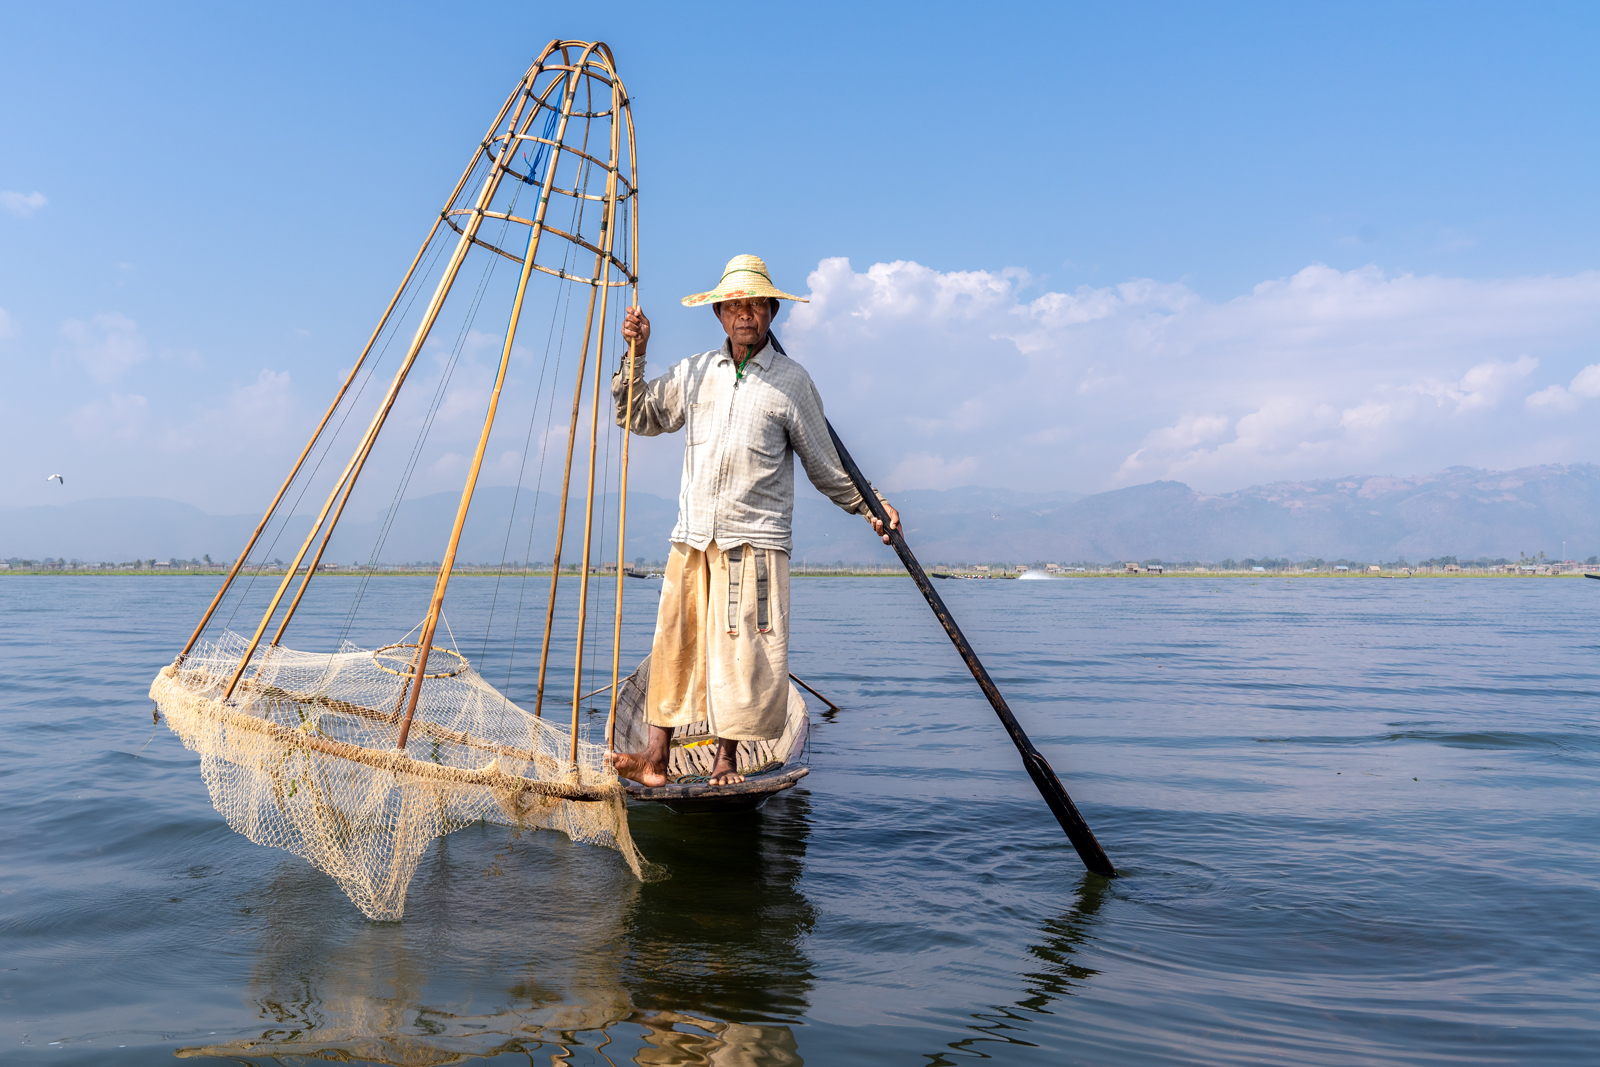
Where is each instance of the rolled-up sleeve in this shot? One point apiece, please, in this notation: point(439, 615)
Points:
point(658, 406)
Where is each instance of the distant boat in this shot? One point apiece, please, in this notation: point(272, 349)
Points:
point(1592, 575)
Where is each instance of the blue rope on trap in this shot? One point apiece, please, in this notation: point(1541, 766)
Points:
point(534, 177)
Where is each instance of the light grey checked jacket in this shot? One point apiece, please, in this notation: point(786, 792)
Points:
point(738, 468)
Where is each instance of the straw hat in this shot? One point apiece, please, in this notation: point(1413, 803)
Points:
point(744, 276)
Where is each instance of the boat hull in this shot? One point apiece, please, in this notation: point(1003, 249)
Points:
point(770, 767)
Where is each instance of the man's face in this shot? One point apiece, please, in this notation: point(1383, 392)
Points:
point(746, 321)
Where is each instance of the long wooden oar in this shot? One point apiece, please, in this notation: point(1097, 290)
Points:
point(1054, 793)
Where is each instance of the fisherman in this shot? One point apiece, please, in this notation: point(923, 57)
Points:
point(721, 651)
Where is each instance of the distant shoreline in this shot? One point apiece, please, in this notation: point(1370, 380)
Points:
point(278, 573)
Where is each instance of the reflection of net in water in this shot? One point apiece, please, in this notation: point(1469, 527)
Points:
point(357, 759)
point(302, 758)
point(576, 977)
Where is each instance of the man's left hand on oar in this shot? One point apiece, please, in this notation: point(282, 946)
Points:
point(894, 521)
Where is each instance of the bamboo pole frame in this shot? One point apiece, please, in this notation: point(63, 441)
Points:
point(627, 439)
point(383, 320)
point(550, 89)
point(351, 474)
point(517, 107)
point(436, 605)
point(602, 268)
point(605, 259)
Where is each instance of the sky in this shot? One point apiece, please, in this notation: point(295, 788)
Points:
point(1048, 247)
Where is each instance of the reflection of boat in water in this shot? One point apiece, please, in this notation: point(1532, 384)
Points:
point(582, 963)
point(769, 767)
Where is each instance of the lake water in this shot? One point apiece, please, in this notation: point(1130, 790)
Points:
point(1358, 822)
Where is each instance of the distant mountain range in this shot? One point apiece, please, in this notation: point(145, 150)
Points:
point(1461, 511)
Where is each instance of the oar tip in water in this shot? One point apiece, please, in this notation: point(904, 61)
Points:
point(1039, 769)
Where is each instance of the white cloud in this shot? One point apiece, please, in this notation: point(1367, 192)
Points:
point(262, 411)
point(1483, 385)
point(22, 204)
point(927, 471)
point(1188, 438)
point(118, 418)
point(1321, 373)
point(108, 345)
point(1585, 385)
point(1553, 397)
point(946, 378)
point(258, 418)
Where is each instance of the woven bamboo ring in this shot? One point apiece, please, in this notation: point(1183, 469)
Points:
point(433, 650)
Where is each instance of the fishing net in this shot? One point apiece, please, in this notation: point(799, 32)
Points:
point(302, 757)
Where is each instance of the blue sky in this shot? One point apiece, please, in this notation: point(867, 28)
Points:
point(1055, 246)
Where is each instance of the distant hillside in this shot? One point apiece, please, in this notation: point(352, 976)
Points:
point(1461, 511)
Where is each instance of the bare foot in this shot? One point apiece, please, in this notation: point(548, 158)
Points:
point(726, 770)
point(639, 768)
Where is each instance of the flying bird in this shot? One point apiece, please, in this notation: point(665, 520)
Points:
point(56, 478)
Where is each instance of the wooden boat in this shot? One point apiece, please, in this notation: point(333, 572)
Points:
point(769, 767)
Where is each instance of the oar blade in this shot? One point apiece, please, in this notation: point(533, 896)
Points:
point(1039, 769)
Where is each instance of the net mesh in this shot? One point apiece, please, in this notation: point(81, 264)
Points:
point(302, 757)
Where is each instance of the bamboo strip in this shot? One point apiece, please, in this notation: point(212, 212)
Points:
point(554, 189)
point(581, 71)
point(566, 482)
point(528, 222)
point(597, 162)
point(359, 711)
point(602, 269)
point(627, 440)
point(574, 238)
point(443, 581)
point(353, 468)
point(525, 88)
point(400, 763)
point(633, 237)
point(311, 568)
point(298, 463)
point(586, 281)
point(561, 511)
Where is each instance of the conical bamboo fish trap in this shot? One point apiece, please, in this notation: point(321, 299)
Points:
point(357, 757)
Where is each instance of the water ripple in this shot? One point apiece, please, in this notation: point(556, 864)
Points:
point(1357, 823)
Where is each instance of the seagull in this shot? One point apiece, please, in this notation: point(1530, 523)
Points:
point(57, 478)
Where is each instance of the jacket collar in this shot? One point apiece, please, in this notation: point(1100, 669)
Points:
point(763, 357)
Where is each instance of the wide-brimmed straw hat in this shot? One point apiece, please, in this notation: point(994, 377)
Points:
point(744, 276)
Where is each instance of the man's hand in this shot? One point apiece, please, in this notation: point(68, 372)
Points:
point(636, 328)
point(894, 521)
